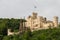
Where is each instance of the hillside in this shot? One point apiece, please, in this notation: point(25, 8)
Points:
point(46, 34)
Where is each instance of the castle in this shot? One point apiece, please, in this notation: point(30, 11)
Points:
point(36, 22)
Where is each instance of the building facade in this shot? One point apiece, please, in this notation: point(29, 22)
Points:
point(35, 22)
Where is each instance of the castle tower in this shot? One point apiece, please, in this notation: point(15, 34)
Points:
point(21, 26)
point(55, 21)
point(45, 19)
point(41, 21)
point(34, 15)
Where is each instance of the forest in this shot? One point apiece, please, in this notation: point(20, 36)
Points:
point(45, 34)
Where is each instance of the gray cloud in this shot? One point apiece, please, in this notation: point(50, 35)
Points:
point(20, 8)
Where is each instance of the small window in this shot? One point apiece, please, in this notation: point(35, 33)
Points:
point(40, 26)
point(36, 25)
point(33, 22)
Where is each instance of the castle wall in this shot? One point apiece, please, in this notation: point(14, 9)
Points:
point(35, 22)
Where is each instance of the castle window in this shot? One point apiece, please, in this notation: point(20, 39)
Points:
point(33, 22)
point(36, 25)
point(40, 26)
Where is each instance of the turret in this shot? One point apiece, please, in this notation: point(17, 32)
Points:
point(34, 15)
point(55, 21)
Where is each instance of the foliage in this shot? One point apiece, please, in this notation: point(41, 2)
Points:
point(45, 34)
point(6, 23)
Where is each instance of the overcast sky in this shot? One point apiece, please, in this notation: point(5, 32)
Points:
point(21, 8)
